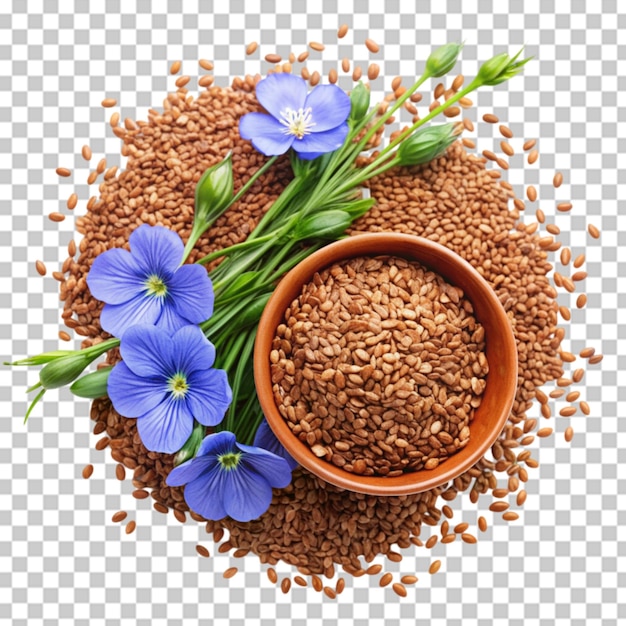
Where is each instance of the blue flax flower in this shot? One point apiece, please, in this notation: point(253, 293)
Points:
point(266, 439)
point(312, 124)
point(230, 478)
point(148, 284)
point(167, 381)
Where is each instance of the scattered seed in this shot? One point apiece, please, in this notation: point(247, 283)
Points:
point(273, 576)
point(251, 48)
point(303, 56)
point(468, 538)
point(482, 524)
point(109, 102)
point(72, 201)
point(300, 581)
point(181, 82)
point(568, 411)
point(63, 171)
point(317, 46)
point(161, 508)
point(490, 118)
point(41, 268)
point(533, 156)
point(372, 46)
point(593, 231)
point(452, 111)
point(119, 516)
point(578, 375)
point(341, 585)
point(566, 256)
point(332, 76)
point(531, 193)
point(206, 65)
point(553, 229)
point(399, 589)
point(343, 31)
point(330, 592)
point(130, 527)
point(120, 472)
point(528, 145)
point(431, 541)
point(345, 64)
point(544, 432)
point(409, 579)
point(564, 206)
point(434, 567)
point(206, 81)
point(510, 516)
point(595, 359)
point(56, 217)
point(584, 407)
point(557, 181)
point(585, 353)
point(316, 581)
point(63, 336)
point(447, 511)
point(231, 571)
point(273, 58)
point(101, 444)
point(540, 215)
point(566, 314)
point(140, 494)
point(385, 579)
point(568, 434)
point(458, 81)
point(468, 143)
point(505, 131)
point(175, 67)
point(87, 471)
point(203, 551)
point(372, 570)
point(372, 71)
point(507, 148)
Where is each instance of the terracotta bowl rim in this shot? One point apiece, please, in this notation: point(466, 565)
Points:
point(483, 299)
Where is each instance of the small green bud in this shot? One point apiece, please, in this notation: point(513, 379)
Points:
point(189, 450)
point(214, 190)
point(92, 385)
point(360, 102)
point(493, 69)
point(64, 370)
point(443, 59)
point(325, 225)
point(427, 144)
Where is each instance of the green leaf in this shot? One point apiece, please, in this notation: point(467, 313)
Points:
point(33, 403)
point(443, 59)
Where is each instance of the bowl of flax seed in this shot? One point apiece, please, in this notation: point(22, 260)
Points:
point(385, 364)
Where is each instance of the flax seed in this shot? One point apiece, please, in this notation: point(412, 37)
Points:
point(317, 46)
point(557, 181)
point(273, 58)
point(385, 579)
point(231, 571)
point(63, 172)
point(531, 193)
point(273, 576)
point(399, 589)
point(87, 471)
point(130, 527)
point(593, 231)
point(109, 102)
point(372, 46)
point(372, 71)
point(568, 434)
point(434, 567)
point(533, 156)
point(482, 524)
point(490, 118)
point(529, 145)
point(251, 48)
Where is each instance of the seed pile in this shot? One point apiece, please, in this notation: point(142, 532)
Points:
point(455, 201)
point(379, 366)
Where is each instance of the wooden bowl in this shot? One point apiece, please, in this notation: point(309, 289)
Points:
point(500, 347)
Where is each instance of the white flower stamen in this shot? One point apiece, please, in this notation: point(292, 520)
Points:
point(298, 123)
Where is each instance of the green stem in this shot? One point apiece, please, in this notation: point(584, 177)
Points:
point(226, 252)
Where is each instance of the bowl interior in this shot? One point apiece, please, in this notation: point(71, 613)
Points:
point(501, 351)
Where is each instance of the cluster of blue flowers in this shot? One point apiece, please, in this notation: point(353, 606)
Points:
point(166, 378)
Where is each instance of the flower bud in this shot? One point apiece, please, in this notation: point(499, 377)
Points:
point(325, 225)
point(214, 190)
point(360, 102)
point(92, 385)
point(64, 370)
point(492, 69)
point(427, 144)
point(189, 450)
point(443, 59)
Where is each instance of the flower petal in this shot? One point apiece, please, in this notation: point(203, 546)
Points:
point(118, 318)
point(266, 133)
point(330, 107)
point(217, 444)
point(321, 142)
point(166, 427)
point(191, 350)
point(147, 351)
point(266, 439)
point(274, 469)
point(204, 495)
point(277, 92)
point(246, 494)
point(191, 293)
point(190, 470)
point(157, 250)
point(115, 277)
point(209, 396)
point(131, 395)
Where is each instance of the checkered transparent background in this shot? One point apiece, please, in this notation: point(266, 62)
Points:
point(62, 560)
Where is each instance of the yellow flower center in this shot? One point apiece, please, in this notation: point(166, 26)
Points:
point(177, 385)
point(230, 460)
point(298, 123)
point(155, 286)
